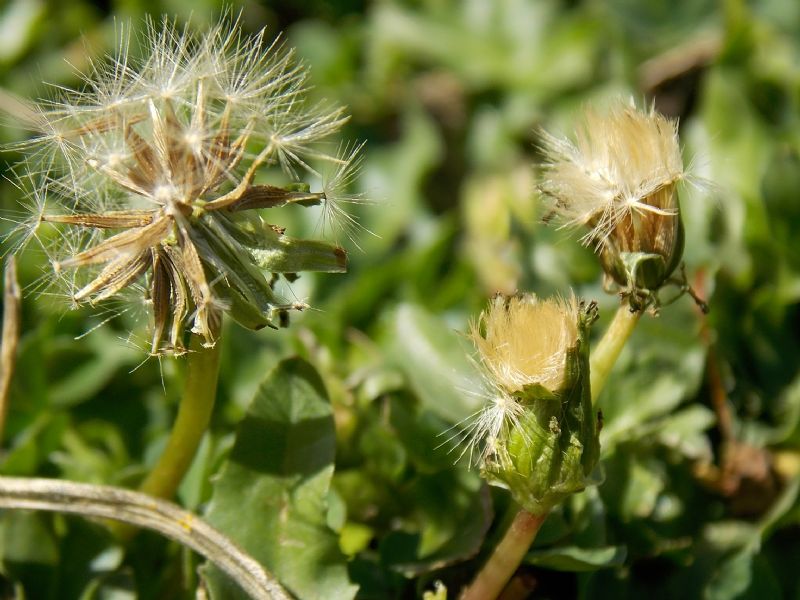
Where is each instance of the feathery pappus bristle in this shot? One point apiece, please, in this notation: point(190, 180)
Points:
point(522, 340)
point(536, 435)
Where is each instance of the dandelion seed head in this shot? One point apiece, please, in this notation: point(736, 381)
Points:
point(522, 340)
point(141, 170)
point(618, 161)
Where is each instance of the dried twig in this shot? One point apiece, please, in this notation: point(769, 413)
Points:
point(8, 353)
point(141, 510)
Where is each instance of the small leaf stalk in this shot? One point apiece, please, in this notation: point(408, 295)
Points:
point(608, 349)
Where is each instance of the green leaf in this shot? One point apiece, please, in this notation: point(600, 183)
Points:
point(29, 551)
point(739, 572)
point(271, 494)
point(34, 445)
point(572, 558)
point(109, 355)
point(453, 510)
point(436, 363)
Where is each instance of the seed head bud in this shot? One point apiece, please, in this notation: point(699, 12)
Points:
point(539, 431)
point(151, 171)
point(619, 179)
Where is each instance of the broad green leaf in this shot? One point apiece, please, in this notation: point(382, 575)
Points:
point(271, 494)
point(436, 363)
point(573, 558)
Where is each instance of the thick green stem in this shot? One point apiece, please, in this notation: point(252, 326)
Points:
point(506, 557)
point(194, 414)
point(603, 357)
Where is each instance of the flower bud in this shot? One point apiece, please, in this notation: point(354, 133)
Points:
point(540, 432)
point(619, 179)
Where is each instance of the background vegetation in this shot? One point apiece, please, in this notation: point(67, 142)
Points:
point(701, 442)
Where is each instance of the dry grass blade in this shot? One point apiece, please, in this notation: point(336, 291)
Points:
point(143, 510)
point(11, 318)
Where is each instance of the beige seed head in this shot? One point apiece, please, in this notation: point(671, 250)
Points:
point(524, 341)
point(622, 167)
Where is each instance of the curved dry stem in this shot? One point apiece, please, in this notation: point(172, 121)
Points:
point(141, 510)
point(8, 353)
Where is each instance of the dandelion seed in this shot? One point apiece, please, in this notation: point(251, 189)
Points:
point(337, 194)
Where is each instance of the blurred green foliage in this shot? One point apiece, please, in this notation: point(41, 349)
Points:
point(449, 97)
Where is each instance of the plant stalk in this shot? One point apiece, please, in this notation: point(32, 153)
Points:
point(12, 300)
point(605, 354)
point(505, 558)
point(140, 510)
point(194, 415)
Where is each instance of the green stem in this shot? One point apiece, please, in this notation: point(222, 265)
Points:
point(506, 557)
point(194, 414)
point(603, 357)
